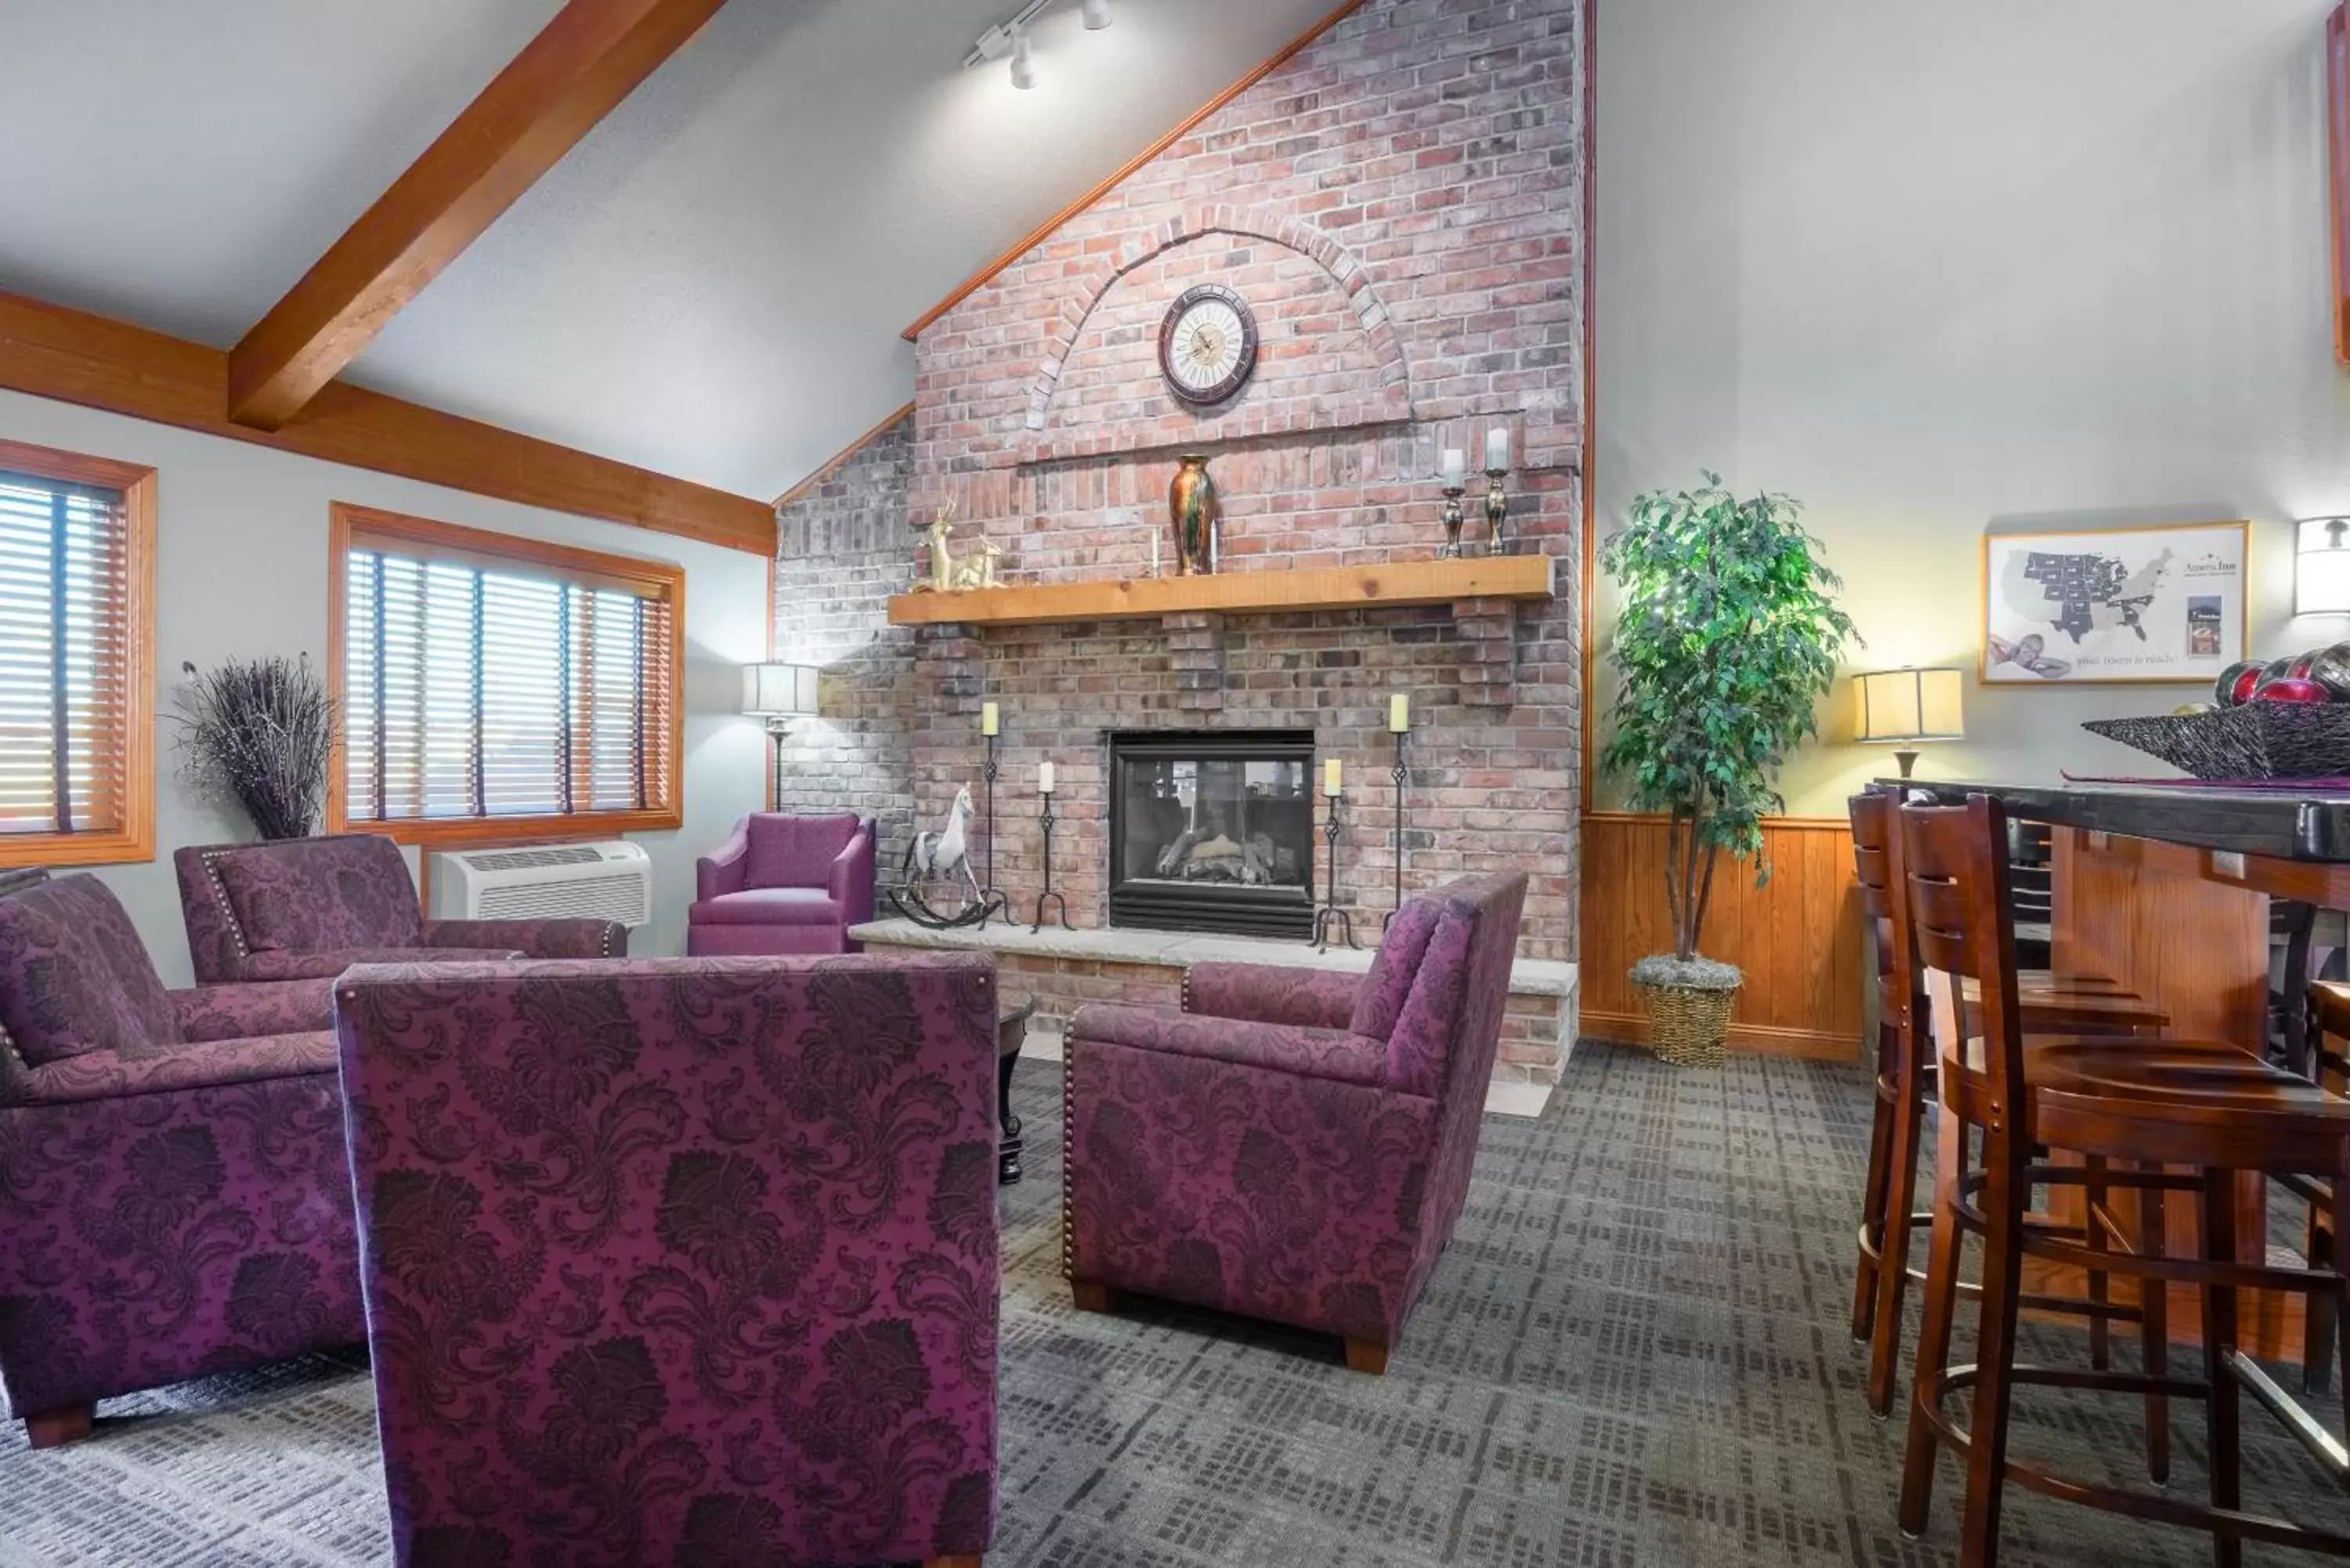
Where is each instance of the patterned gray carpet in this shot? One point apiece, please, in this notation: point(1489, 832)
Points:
point(1633, 1354)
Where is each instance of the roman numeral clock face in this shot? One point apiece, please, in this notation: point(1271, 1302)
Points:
point(1207, 346)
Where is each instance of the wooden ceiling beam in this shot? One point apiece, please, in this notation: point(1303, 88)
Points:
point(576, 71)
point(50, 351)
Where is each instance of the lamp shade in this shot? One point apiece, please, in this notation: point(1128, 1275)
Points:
point(779, 690)
point(1910, 704)
point(2321, 567)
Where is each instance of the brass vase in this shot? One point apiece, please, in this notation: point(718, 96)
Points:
point(1191, 506)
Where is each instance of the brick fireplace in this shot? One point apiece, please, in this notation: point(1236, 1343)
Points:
point(1400, 203)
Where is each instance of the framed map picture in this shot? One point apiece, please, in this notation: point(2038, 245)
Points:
point(2164, 602)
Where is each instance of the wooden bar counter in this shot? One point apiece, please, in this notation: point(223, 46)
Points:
point(2166, 890)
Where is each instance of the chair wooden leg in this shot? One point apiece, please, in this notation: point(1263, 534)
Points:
point(2093, 1194)
point(1870, 1270)
point(2218, 1345)
point(1893, 1272)
point(2319, 1329)
point(2004, 1203)
point(1934, 1338)
point(1090, 1297)
point(2153, 1333)
point(54, 1428)
point(1368, 1355)
point(966, 1560)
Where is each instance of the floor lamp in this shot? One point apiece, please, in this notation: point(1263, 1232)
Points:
point(778, 693)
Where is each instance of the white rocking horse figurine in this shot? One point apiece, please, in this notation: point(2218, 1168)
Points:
point(945, 856)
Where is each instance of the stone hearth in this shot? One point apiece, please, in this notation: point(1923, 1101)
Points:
point(1063, 969)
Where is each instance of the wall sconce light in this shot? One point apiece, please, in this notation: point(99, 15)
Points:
point(2321, 567)
point(779, 693)
point(1903, 707)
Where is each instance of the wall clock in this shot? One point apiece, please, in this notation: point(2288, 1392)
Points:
point(1207, 345)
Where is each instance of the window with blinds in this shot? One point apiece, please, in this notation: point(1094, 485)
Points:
point(74, 782)
point(490, 677)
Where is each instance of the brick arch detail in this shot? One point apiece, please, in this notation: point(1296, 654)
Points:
point(1249, 223)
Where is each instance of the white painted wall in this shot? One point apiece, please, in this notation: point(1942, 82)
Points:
point(242, 570)
point(1934, 267)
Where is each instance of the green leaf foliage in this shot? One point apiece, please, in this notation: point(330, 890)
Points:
point(1728, 636)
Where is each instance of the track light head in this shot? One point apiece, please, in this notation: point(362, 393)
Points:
point(1096, 14)
point(1023, 60)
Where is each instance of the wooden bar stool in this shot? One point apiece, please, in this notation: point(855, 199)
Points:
point(2205, 1105)
point(2320, 1052)
point(2075, 1004)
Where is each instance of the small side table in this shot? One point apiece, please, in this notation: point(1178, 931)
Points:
point(1011, 1034)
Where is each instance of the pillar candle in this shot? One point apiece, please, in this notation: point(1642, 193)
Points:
point(1330, 777)
point(1154, 552)
point(1455, 466)
point(990, 721)
point(1399, 713)
point(1045, 779)
point(1497, 448)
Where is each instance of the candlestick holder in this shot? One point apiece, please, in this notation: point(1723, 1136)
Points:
point(992, 899)
point(1046, 898)
point(1401, 774)
point(1329, 919)
point(1451, 549)
point(1497, 509)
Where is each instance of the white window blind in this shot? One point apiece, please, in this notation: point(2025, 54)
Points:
point(65, 641)
point(475, 689)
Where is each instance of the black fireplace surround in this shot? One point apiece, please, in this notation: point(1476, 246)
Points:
point(1212, 830)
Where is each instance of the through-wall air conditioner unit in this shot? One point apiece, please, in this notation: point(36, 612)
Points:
point(548, 881)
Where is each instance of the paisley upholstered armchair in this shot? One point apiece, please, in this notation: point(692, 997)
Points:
point(310, 908)
point(680, 1259)
point(175, 1198)
point(1293, 1146)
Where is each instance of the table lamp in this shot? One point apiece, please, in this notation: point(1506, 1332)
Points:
point(1903, 707)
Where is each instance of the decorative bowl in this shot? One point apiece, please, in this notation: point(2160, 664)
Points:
point(2256, 740)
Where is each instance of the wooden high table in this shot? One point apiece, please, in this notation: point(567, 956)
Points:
point(2166, 890)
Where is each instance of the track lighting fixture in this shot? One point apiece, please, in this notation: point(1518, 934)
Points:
point(1010, 39)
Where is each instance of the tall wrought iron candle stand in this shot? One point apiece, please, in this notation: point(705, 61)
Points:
point(992, 901)
point(1401, 773)
point(1330, 920)
point(1048, 898)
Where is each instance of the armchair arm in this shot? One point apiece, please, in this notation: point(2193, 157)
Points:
point(115, 1075)
point(1303, 1051)
point(1271, 993)
point(558, 938)
point(720, 872)
point(286, 964)
point(255, 1009)
point(850, 882)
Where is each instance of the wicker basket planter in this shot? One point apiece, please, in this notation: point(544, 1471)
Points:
point(1689, 1011)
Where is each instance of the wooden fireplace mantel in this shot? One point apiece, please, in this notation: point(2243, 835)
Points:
point(1260, 592)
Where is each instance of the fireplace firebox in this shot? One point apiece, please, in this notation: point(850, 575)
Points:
point(1212, 831)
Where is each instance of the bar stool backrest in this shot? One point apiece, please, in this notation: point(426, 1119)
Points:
point(1954, 865)
point(1876, 853)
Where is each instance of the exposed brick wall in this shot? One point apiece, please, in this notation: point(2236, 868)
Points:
point(842, 549)
point(1401, 205)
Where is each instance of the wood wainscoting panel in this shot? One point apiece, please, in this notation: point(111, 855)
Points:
point(1797, 936)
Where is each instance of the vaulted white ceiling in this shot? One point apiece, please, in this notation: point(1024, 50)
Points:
point(711, 285)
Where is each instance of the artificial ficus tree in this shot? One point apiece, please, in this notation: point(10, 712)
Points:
point(1728, 636)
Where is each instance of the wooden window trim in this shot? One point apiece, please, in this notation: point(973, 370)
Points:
point(134, 842)
point(654, 579)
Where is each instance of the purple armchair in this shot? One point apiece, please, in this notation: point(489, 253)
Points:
point(174, 1198)
point(680, 1259)
point(302, 908)
point(1294, 1144)
point(782, 883)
